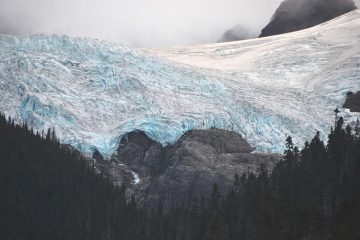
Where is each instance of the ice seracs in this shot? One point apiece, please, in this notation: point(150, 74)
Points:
point(94, 92)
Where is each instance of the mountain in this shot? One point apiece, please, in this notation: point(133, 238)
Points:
point(294, 15)
point(236, 33)
point(93, 93)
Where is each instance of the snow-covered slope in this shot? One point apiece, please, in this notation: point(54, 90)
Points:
point(93, 92)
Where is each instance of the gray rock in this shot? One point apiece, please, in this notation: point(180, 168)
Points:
point(97, 156)
point(186, 170)
point(294, 15)
point(221, 141)
point(353, 101)
point(193, 175)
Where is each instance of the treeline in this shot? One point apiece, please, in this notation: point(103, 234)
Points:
point(313, 194)
point(49, 191)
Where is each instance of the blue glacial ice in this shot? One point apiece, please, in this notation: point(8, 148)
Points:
point(94, 92)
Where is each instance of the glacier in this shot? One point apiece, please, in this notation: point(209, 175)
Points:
point(94, 92)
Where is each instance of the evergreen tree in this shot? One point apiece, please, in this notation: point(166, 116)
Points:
point(50, 191)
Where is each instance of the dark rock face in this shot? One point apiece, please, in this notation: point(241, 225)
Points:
point(184, 171)
point(294, 15)
point(236, 33)
point(142, 155)
point(353, 102)
point(221, 141)
point(194, 173)
point(97, 156)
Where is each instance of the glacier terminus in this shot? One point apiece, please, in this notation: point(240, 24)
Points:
point(94, 92)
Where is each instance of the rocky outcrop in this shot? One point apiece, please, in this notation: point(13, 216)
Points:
point(353, 101)
point(294, 15)
point(184, 171)
point(97, 156)
point(236, 33)
point(221, 141)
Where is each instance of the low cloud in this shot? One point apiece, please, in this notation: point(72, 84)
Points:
point(136, 23)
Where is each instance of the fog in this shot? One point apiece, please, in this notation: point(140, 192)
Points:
point(136, 23)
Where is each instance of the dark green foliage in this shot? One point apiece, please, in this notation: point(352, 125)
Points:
point(49, 191)
point(312, 194)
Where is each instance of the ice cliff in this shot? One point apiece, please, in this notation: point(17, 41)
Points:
point(94, 92)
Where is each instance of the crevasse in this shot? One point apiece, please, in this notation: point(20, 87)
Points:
point(94, 92)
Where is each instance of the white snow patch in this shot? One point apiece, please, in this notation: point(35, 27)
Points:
point(136, 177)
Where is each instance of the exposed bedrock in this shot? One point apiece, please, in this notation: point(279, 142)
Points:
point(294, 15)
point(353, 101)
point(184, 171)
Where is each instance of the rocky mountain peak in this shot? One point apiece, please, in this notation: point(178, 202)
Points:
point(294, 15)
point(236, 33)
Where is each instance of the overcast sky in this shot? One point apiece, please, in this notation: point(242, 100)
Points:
point(136, 23)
